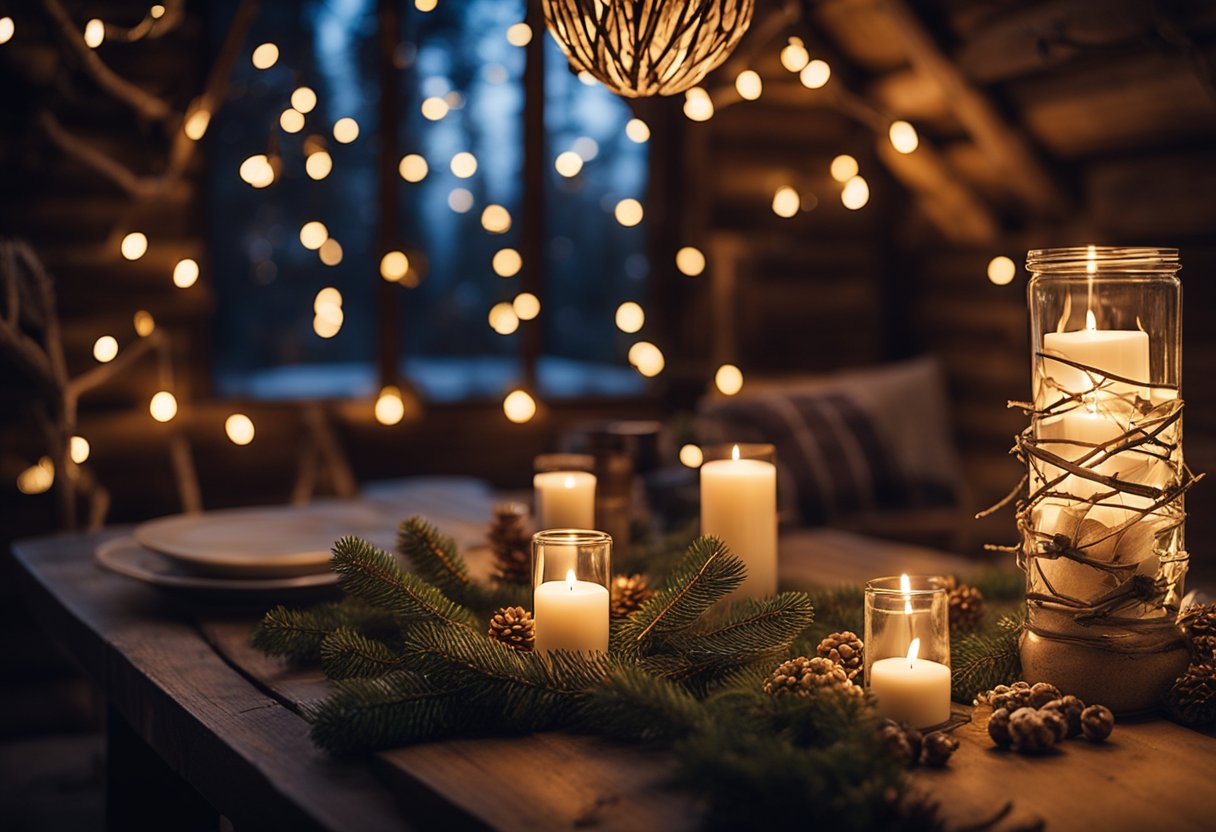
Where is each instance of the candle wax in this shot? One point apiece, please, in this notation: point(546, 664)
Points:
point(571, 615)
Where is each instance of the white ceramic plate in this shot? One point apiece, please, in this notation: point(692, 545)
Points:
point(274, 542)
point(124, 556)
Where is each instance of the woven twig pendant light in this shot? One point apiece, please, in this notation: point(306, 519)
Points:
point(639, 48)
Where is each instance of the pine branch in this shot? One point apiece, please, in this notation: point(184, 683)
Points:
point(634, 705)
point(434, 558)
point(984, 659)
point(346, 654)
point(398, 709)
point(298, 634)
point(837, 609)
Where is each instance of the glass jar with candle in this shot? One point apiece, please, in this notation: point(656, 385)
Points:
point(571, 575)
point(1102, 519)
point(739, 506)
point(907, 648)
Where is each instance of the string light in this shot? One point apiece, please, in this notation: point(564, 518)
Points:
point(257, 171)
point(503, 319)
point(7, 29)
point(330, 252)
point(815, 74)
point(728, 379)
point(94, 33)
point(647, 358)
point(313, 234)
point(856, 193)
point(318, 165)
point(519, 34)
point(1001, 270)
point(78, 449)
point(691, 456)
point(144, 323)
point(843, 168)
point(628, 212)
point(425, 5)
point(390, 407)
point(526, 306)
point(239, 428)
point(394, 265)
point(105, 349)
point(346, 130)
point(38, 478)
point(265, 56)
point(637, 131)
point(185, 273)
point(690, 261)
point(434, 108)
point(163, 406)
point(291, 120)
point(157, 11)
point(507, 262)
point(496, 219)
point(134, 245)
point(328, 317)
point(196, 124)
point(697, 104)
point(327, 297)
point(464, 165)
point(903, 137)
point(794, 56)
point(460, 200)
point(568, 163)
point(630, 317)
point(413, 168)
point(304, 99)
point(748, 85)
point(519, 407)
point(786, 202)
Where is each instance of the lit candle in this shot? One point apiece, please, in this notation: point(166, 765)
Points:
point(912, 690)
point(739, 506)
point(571, 615)
point(564, 499)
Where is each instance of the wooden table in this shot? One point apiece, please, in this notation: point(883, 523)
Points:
point(200, 725)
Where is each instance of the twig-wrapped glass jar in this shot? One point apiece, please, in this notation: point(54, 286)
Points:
point(1102, 520)
point(907, 648)
point(571, 575)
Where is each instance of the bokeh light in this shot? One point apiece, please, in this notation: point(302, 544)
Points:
point(239, 428)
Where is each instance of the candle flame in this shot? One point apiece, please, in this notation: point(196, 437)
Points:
point(905, 586)
point(570, 579)
point(913, 650)
point(569, 483)
point(1091, 323)
point(734, 452)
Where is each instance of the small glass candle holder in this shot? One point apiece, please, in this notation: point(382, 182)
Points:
point(907, 648)
point(571, 574)
point(739, 506)
point(564, 491)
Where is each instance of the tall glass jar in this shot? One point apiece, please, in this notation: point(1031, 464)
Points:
point(1102, 520)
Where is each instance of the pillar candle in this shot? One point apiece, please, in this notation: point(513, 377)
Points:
point(739, 505)
point(571, 615)
point(910, 689)
point(564, 500)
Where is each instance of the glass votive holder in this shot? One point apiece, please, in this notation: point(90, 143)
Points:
point(564, 491)
point(571, 575)
point(739, 506)
point(907, 648)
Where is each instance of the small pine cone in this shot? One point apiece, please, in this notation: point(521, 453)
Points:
point(629, 592)
point(513, 626)
point(1192, 699)
point(937, 749)
point(1033, 732)
point(1097, 722)
point(902, 742)
point(966, 607)
point(1043, 692)
point(845, 650)
point(1069, 707)
point(997, 697)
point(1018, 696)
point(998, 727)
point(810, 677)
point(511, 543)
point(1199, 624)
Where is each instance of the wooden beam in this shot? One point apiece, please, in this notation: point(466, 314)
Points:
point(952, 207)
point(1005, 144)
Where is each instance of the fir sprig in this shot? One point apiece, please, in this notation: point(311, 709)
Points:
point(347, 654)
point(434, 557)
point(297, 634)
point(986, 658)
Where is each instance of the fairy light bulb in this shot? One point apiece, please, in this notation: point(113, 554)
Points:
point(313, 234)
point(843, 168)
point(304, 99)
point(38, 478)
point(637, 131)
point(105, 349)
point(697, 105)
point(503, 319)
point(691, 456)
point(628, 212)
point(163, 406)
point(815, 74)
point(7, 29)
point(519, 34)
point(749, 85)
point(413, 168)
point(291, 120)
point(496, 219)
point(134, 245)
point(196, 124)
point(185, 273)
point(856, 193)
point(526, 306)
point(239, 428)
point(568, 164)
point(264, 56)
point(330, 252)
point(94, 33)
point(507, 262)
point(630, 317)
point(390, 407)
point(728, 380)
point(464, 165)
point(903, 137)
point(346, 130)
point(394, 265)
point(794, 56)
point(690, 261)
point(786, 202)
point(434, 108)
point(318, 165)
point(143, 323)
point(519, 407)
point(78, 449)
point(1001, 270)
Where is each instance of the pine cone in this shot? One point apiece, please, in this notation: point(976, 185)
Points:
point(966, 607)
point(1069, 707)
point(844, 650)
point(513, 626)
point(511, 543)
point(1192, 699)
point(1009, 697)
point(998, 727)
point(1097, 722)
point(1043, 692)
point(810, 677)
point(903, 742)
point(937, 749)
point(1035, 732)
point(1199, 624)
point(629, 592)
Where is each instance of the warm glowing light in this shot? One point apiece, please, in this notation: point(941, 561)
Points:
point(196, 124)
point(37, 479)
point(425, 5)
point(786, 202)
point(691, 456)
point(507, 262)
point(526, 306)
point(257, 171)
point(390, 407)
point(815, 74)
point(157, 11)
point(327, 297)
point(94, 33)
point(519, 34)
point(185, 273)
point(434, 108)
point(330, 252)
point(394, 265)
point(905, 586)
point(749, 85)
point(637, 131)
point(346, 130)
point(105, 348)
point(734, 453)
point(794, 56)
point(313, 234)
point(78, 449)
point(304, 99)
point(239, 428)
point(728, 379)
point(144, 323)
point(318, 165)
point(460, 200)
point(265, 56)
point(503, 319)
point(697, 105)
point(413, 168)
point(844, 167)
point(7, 28)
point(568, 163)
point(628, 212)
point(329, 324)
point(464, 164)
point(496, 219)
point(903, 136)
point(291, 120)
point(630, 317)
point(134, 245)
point(913, 652)
point(1091, 323)
point(690, 261)
point(856, 193)
point(1001, 270)
point(1091, 262)
point(163, 406)
point(647, 358)
point(519, 407)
